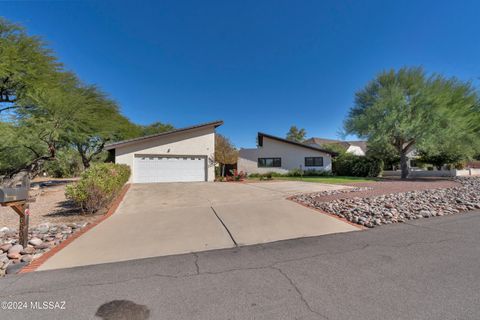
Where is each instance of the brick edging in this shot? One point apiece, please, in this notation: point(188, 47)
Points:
point(47, 255)
point(328, 214)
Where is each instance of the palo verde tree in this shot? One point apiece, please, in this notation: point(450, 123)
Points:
point(225, 152)
point(457, 135)
point(408, 109)
point(296, 134)
point(156, 127)
point(28, 70)
point(33, 135)
point(94, 121)
point(26, 66)
point(44, 109)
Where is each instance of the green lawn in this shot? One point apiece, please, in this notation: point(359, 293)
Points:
point(332, 180)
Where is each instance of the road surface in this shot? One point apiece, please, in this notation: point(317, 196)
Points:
point(428, 269)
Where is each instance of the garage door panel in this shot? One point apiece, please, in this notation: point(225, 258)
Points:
point(151, 169)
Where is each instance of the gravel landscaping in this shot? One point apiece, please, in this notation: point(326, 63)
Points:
point(53, 219)
point(48, 205)
point(14, 256)
point(399, 207)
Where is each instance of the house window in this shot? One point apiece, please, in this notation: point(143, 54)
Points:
point(313, 161)
point(269, 162)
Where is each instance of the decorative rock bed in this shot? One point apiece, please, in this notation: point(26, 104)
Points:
point(399, 207)
point(306, 197)
point(14, 256)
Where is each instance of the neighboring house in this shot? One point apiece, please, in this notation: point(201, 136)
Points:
point(413, 157)
point(358, 148)
point(275, 154)
point(180, 155)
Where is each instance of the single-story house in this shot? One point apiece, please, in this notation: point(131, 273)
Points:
point(180, 155)
point(274, 154)
point(358, 148)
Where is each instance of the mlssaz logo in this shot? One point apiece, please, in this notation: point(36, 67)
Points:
point(47, 305)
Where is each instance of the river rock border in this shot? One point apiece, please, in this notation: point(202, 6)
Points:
point(399, 207)
point(42, 239)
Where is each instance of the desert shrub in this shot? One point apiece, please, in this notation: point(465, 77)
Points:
point(295, 173)
point(98, 186)
point(308, 173)
point(239, 176)
point(66, 165)
point(357, 166)
point(275, 174)
point(266, 176)
point(236, 175)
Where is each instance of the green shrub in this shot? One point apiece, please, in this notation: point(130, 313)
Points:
point(266, 176)
point(98, 186)
point(66, 165)
point(317, 173)
point(295, 173)
point(254, 175)
point(357, 166)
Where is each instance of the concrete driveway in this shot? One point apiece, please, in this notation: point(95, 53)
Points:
point(174, 218)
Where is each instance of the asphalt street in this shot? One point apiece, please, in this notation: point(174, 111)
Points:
point(427, 269)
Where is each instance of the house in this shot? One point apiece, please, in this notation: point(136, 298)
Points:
point(180, 155)
point(358, 148)
point(274, 154)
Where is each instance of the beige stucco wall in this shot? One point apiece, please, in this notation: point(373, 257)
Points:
point(293, 157)
point(199, 142)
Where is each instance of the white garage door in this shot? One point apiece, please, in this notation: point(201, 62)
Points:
point(150, 169)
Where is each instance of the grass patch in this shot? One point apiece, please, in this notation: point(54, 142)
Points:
point(331, 180)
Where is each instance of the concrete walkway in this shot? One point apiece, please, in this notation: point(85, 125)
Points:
point(174, 218)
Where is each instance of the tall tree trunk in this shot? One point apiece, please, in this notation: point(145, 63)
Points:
point(83, 156)
point(86, 162)
point(223, 170)
point(404, 164)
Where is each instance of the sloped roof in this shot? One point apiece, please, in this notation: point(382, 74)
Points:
point(361, 144)
point(261, 135)
point(322, 141)
point(115, 145)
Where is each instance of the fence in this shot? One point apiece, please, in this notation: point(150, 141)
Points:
point(435, 173)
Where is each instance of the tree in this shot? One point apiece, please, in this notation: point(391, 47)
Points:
point(385, 152)
point(33, 135)
point(225, 152)
point(439, 159)
point(26, 66)
point(45, 109)
point(334, 147)
point(295, 134)
point(407, 109)
point(156, 127)
point(29, 73)
point(94, 121)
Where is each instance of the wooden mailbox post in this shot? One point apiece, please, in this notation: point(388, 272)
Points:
point(15, 195)
point(22, 209)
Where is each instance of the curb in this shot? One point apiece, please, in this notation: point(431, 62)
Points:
point(360, 227)
point(113, 207)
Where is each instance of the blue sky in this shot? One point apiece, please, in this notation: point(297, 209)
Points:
point(257, 65)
